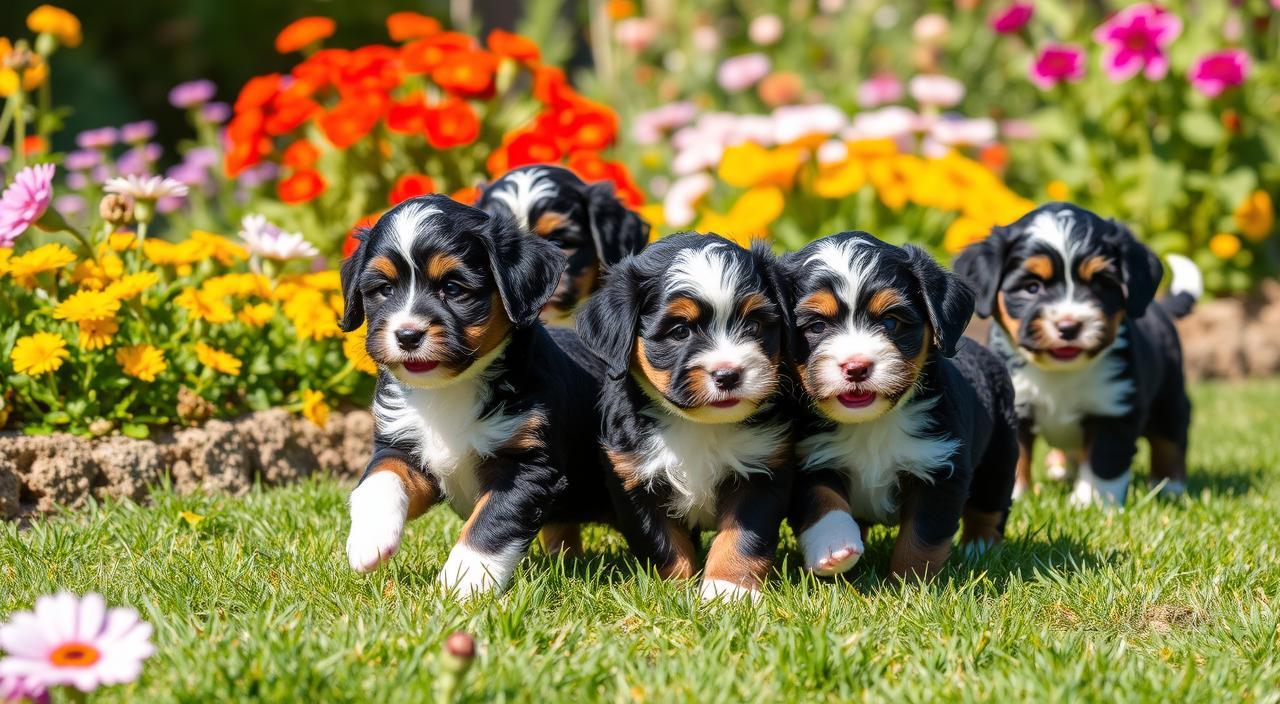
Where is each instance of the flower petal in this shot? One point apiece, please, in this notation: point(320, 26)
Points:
point(93, 610)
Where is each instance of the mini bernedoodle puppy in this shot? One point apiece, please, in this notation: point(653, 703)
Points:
point(587, 222)
point(476, 405)
point(691, 333)
point(907, 422)
point(1095, 363)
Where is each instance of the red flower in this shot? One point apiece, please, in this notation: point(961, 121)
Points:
point(304, 32)
point(242, 155)
point(521, 149)
point(288, 116)
point(34, 144)
point(590, 167)
point(246, 126)
point(410, 185)
point(467, 195)
point(301, 186)
point(581, 124)
point(424, 55)
point(352, 119)
point(514, 46)
point(403, 26)
point(451, 123)
point(551, 87)
point(370, 68)
point(365, 223)
point(409, 115)
point(468, 74)
point(258, 92)
point(300, 155)
point(322, 67)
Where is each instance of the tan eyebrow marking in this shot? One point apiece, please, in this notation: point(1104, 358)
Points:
point(548, 222)
point(1094, 265)
point(660, 379)
point(1040, 265)
point(386, 266)
point(821, 302)
point(753, 302)
point(682, 307)
point(440, 264)
point(883, 300)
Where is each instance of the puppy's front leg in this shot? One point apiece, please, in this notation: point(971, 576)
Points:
point(829, 537)
point(504, 522)
point(653, 535)
point(749, 517)
point(1026, 448)
point(391, 492)
point(929, 519)
point(1110, 444)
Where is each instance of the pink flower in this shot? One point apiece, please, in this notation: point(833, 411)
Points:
point(1013, 18)
point(1057, 63)
point(880, 89)
point(267, 240)
point(635, 33)
point(15, 689)
point(738, 73)
point(936, 90)
point(650, 125)
point(1217, 71)
point(1135, 39)
point(765, 30)
point(72, 641)
point(24, 201)
point(679, 205)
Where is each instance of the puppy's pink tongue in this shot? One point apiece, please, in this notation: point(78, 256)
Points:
point(728, 403)
point(861, 399)
point(1065, 353)
point(420, 367)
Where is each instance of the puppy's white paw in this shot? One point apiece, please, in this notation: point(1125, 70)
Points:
point(1091, 490)
point(379, 507)
point(832, 545)
point(470, 573)
point(721, 590)
point(1020, 489)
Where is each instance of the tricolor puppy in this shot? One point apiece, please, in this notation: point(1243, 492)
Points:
point(691, 332)
point(475, 403)
point(587, 222)
point(907, 423)
point(1095, 364)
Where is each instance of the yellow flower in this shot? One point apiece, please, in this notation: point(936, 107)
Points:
point(867, 149)
point(237, 285)
point(841, 180)
point(1255, 216)
point(6, 253)
point(50, 257)
point(38, 354)
point(97, 334)
point(48, 19)
point(122, 241)
point(185, 253)
point(217, 360)
point(749, 218)
point(963, 232)
point(893, 178)
point(87, 305)
point(92, 275)
point(314, 407)
point(35, 72)
point(353, 346)
point(201, 305)
point(328, 280)
point(749, 165)
point(144, 362)
point(311, 316)
point(652, 213)
point(257, 315)
point(218, 247)
point(1224, 245)
point(1057, 190)
point(192, 519)
point(132, 285)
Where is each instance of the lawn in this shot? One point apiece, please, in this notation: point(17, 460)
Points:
point(1159, 602)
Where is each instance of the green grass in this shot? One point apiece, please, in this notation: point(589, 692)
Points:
point(1161, 602)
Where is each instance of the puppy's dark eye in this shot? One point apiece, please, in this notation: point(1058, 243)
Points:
point(386, 290)
point(891, 323)
point(679, 332)
point(451, 289)
point(1032, 287)
point(751, 327)
point(817, 327)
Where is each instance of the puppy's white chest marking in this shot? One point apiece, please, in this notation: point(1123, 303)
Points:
point(1059, 401)
point(873, 454)
point(447, 431)
point(694, 458)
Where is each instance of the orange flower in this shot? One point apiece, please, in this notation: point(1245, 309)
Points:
point(403, 26)
point(365, 223)
point(408, 116)
point(301, 186)
point(288, 116)
point(468, 74)
point(241, 156)
point(370, 69)
point(590, 167)
point(451, 123)
point(302, 154)
point(513, 46)
point(581, 124)
point(322, 67)
point(410, 185)
point(350, 120)
point(551, 87)
point(424, 55)
point(304, 32)
point(520, 149)
point(467, 194)
point(257, 92)
point(620, 9)
point(34, 144)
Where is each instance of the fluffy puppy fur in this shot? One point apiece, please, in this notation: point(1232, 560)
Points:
point(905, 423)
point(475, 402)
point(1095, 364)
point(587, 222)
point(691, 333)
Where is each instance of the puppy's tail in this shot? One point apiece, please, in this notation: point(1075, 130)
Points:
point(1187, 286)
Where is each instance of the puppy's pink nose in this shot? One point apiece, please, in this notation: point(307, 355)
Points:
point(857, 368)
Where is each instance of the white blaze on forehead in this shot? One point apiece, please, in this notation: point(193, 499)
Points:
point(520, 191)
point(849, 267)
point(710, 275)
point(1054, 229)
point(405, 225)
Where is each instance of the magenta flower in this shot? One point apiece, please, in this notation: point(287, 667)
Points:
point(1217, 71)
point(75, 641)
point(880, 89)
point(100, 138)
point(1013, 18)
point(135, 132)
point(1135, 39)
point(82, 159)
point(216, 113)
point(1057, 63)
point(738, 73)
point(24, 201)
point(15, 689)
point(192, 94)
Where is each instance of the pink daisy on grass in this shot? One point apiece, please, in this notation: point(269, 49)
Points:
point(1217, 71)
point(24, 201)
point(75, 641)
point(1055, 64)
point(1135, 39)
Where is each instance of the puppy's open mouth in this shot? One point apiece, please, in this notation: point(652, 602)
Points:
point(1065, 354)
point(726, 403)
point(856, 399)
point(420, 367)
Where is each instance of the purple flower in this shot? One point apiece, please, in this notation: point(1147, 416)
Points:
point(880, 89)
point(192, 94)
point(255, 176)
point(82, 159)
point(1013, 18)
point(203, 157)
point(76, 181)
point(1135, 39)
point(1057, 63)
point(135, 132)
point(19, 688)
point(100, 174)
point(188, 173)
point(70, 204)
point(217, 113)
point(100, 138)
point(1217, 71)
point(138, 160)
point(24, 201)
point(738, 73)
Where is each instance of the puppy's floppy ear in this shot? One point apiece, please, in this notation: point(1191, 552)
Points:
point(982, 265)
point(1142, 273)
point(616, 231)
point(526, 269)
point(767, 262)
point(352, 299)
point(610, 320)
point(948, 298)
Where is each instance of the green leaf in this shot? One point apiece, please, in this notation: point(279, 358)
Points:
point(137, 431)
point(57, 418)
point(1200, 128)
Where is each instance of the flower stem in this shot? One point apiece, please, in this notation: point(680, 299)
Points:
point(19, 131)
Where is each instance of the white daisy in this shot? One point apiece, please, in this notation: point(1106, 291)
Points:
point(146, 187)
point(266, 240)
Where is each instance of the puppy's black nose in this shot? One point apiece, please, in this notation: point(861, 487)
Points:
point(857, 369)
point(726, 379)
point(409, 338)
point(1068, 329)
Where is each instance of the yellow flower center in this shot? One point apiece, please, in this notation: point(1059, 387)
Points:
point(75, 655)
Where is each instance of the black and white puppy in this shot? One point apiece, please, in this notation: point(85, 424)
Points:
point(587, 222)
point(1095, 364)
point(691, 332)
point(476, 405)
point(907, 423)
